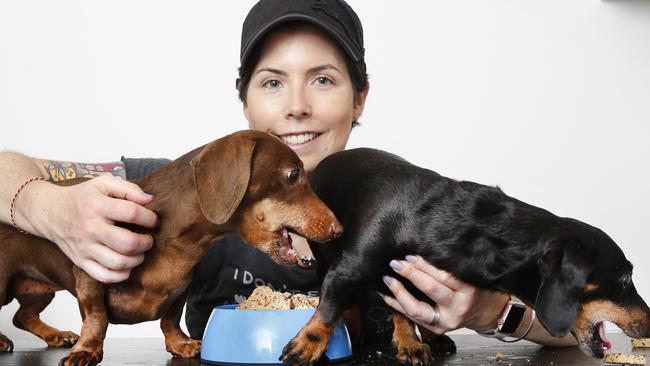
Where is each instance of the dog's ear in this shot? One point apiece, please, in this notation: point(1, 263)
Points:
point(564, 269)
point(222, 171)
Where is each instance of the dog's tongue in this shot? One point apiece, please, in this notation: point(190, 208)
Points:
point(601, 333)
point(286, 250)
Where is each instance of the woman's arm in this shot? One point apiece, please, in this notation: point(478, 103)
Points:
point(80, 219)
point(16, 169)
point(460, 305)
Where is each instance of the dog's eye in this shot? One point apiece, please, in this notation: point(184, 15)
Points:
point(626, 281)
point(293, 175)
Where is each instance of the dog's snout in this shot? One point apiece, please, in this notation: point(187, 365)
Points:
point(336, 229)
point(323, 228)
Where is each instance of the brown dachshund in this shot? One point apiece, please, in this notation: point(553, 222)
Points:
point(248, 182)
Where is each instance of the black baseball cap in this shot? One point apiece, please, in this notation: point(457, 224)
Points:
point(335, 17)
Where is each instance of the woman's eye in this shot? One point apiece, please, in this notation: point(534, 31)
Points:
point(293, 175)
point(322, 80)
point(271, 84)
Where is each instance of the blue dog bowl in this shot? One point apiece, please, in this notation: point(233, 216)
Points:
point(257, 337)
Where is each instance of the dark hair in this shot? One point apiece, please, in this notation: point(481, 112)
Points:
point(356, 70)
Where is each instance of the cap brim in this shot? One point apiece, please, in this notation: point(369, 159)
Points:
point(342, 41)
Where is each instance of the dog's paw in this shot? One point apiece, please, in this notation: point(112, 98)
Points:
point(442, 344)
point(82, 358)
point(61, 339)
point(413, 352)
point(304, 350)
point(6, 345)
point(185, 348)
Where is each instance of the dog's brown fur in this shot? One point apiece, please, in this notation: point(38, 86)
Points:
point(235, 184)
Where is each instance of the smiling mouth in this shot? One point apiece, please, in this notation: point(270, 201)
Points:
point(299, 138)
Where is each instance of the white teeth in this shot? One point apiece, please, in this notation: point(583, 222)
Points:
point(298, 139)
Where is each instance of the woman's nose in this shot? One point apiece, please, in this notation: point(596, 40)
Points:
point(298, 106)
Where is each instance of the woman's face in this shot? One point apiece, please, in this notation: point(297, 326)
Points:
point(301, 91)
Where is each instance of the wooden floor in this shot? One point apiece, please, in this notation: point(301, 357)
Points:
point(472, 350)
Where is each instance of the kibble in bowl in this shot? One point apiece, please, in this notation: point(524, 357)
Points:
point(255, 331)
point(264, 298)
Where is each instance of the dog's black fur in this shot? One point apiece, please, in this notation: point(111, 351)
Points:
point(569, 271)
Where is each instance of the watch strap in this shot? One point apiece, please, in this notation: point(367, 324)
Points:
point(509, 321)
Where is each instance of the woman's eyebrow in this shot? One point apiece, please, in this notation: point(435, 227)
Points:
point(323, 67)
point(311, 70)
point(271, 70)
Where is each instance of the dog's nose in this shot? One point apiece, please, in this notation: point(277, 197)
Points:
point(336, 229)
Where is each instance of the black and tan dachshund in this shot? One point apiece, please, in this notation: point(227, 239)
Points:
point(573, 274)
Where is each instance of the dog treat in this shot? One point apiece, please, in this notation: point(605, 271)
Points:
point(498, 357)
point(624, 359)
point(641, 343)
point(264, 298)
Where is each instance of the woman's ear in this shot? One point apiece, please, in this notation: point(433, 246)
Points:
point(360, 102)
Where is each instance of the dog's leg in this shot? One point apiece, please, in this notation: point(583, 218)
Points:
point(88, 350)
point(27, 318)
point(177, 342)
point(308, 346)
point(311, 342)
point(5, 343)
point(410, 350)
point(439, 343)
point(353, 322)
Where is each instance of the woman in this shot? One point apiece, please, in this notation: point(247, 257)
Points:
point(303, 79)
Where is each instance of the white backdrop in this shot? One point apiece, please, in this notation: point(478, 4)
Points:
point(549, 99)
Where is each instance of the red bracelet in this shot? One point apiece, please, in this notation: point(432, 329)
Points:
point(13, 203)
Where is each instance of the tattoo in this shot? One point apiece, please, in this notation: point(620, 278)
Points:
point(62, 170)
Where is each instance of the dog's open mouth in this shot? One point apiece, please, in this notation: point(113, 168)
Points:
point(284, 253)
point(599, 342)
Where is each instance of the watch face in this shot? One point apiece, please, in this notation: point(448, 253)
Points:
point(513, 319)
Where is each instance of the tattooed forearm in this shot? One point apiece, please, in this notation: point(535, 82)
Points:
point(62, 170)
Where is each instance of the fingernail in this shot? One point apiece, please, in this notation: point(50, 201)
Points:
point(396, 265)
point(411, 258)
point(388, 279)
point(147, 195)
point(380, 294)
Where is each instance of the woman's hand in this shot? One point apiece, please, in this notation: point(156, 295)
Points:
point(459, 304)
point(81, 219)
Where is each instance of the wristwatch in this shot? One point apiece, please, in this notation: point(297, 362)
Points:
point(509, 321)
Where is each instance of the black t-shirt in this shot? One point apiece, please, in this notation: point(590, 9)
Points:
point(232, 269)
